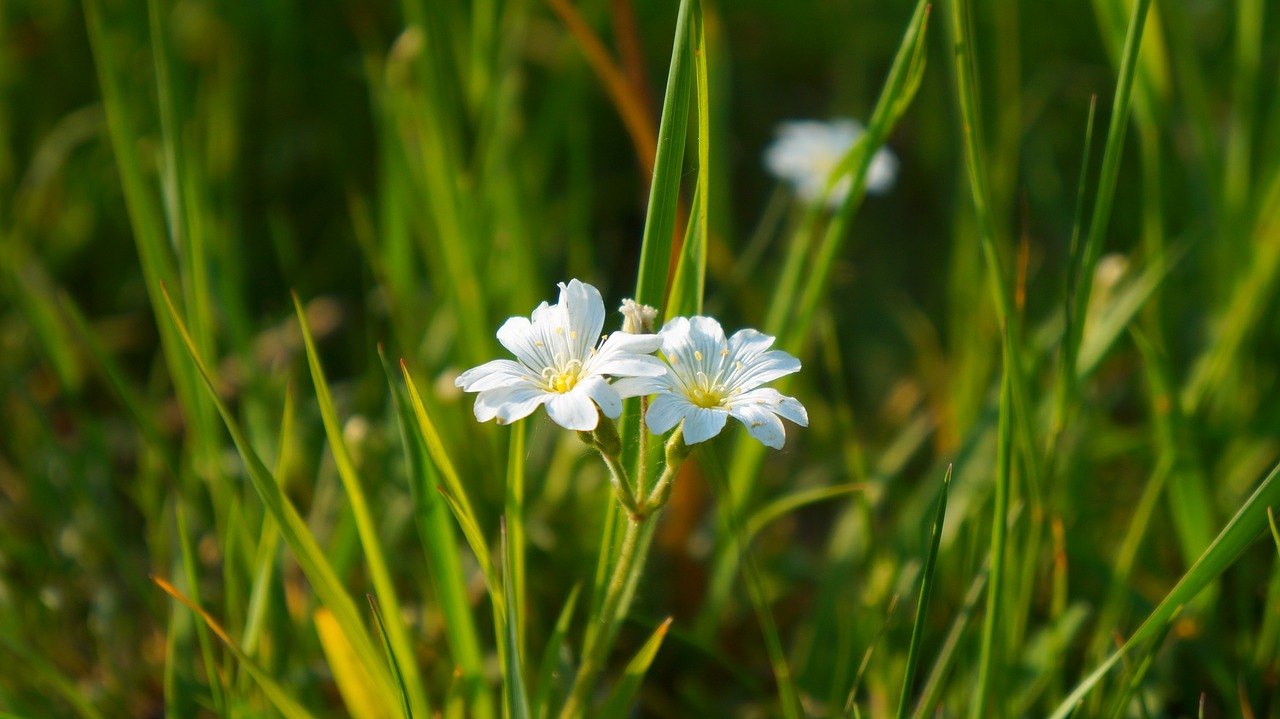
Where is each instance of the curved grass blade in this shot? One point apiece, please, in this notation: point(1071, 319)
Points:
point(926, 591)
point(310, 557)
point(365, 527)
point(1240, 532)
point(405, 707)
point(287, 705)
point(619, 702)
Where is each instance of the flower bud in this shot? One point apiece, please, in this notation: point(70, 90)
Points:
point(637, 318)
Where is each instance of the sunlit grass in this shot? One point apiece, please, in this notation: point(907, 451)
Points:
point(247, 250)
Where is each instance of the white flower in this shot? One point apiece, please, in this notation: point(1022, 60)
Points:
point(560, 365)
point(805, 152)
point(710, 378)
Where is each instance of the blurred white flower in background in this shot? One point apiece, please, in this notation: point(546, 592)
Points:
point(710, 378)
point(560, 364)
point(805, 152)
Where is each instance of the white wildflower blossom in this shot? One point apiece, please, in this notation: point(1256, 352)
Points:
point(805, 152)
point(562, 363)
point(710, 378)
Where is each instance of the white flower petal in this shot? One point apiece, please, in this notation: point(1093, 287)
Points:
point(521, 338)
point(584, 313)
point(604, 395)
point(508, 404)
point(627, 355)
point(701, 424)
point(771, 399)
point(748, 343)
point(641, 386)
point(761, 423)
point(665, 412)
point(573, 410)
point(490, 375)
point(762, 368)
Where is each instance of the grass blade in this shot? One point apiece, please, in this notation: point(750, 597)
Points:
point(926, 591)
point(664, 192)
point(405, 703)
point(365, 526)
point(547, 674)
point(517, 698)
point(287, 705)
point(356, 684)
point(1240, 532)
point(619, 702)
point(435, 530)
point(310, 557)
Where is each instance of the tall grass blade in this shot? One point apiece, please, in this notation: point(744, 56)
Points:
point(517, 698)
point(310, 557)
point(1107, 179)
point(991, 660)
point(439, 541)
point(664, 192)
point(1240, 532)
point(365, 526)
point(926, 592)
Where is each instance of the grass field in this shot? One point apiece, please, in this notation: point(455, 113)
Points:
point(250, 248)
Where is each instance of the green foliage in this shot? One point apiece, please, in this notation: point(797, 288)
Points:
point(1081, 324)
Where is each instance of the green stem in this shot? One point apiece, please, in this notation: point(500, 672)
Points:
point(626, 572)
point(596, 649)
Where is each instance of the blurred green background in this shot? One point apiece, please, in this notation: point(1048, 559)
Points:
point(416, 187)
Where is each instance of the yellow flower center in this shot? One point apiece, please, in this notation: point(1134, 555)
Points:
point(562, 378)
point(707, 392)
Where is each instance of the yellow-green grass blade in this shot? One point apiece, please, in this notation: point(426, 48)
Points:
point(439, 540)
point(453, 492)
point(305, 548)
point(1247, 524)
point(406, 707)
point(689, 285)
point(619, 702)
point(926, 592)
point(513, 519)
point(550, 668)
point(280, 698)
point(515, 695)
point(947, 655)
point(664, 191)
point(357, 685)
point(383, 584)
